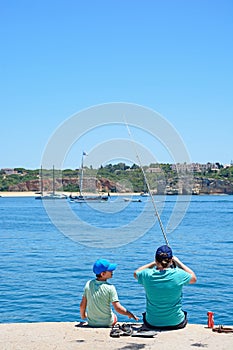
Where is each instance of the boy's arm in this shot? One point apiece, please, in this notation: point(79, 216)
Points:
point(122, 310)
point(83, 306)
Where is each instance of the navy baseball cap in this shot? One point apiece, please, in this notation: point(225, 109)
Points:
point(102, 265)
point(163, 252)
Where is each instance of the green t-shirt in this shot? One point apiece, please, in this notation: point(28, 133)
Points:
point(100, 295)
point(163, 295)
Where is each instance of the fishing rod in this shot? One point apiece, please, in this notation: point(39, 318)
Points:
point(147, 184)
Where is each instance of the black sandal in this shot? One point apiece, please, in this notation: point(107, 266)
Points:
point(121, 330)
point(127, 329)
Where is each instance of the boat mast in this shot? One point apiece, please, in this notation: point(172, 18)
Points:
point(81, 176)
point(145, 190)
point(53, 181)
point(41, 181)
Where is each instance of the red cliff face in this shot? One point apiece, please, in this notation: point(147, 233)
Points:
point(106, 185)
point(91, 184)
point(32, 185)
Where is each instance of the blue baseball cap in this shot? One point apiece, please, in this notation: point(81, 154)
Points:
point(102, 265)
point(163, 252)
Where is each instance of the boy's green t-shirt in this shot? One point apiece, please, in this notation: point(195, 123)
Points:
point(100, 295)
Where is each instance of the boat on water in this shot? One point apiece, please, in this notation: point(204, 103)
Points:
point(49, 196)
point(52, 196)
point(132, 199)
point(81, 198)
point(144, 194)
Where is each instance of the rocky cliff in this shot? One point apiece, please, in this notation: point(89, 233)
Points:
point(91, 184)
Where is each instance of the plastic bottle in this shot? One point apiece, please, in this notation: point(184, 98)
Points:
point(210, 322)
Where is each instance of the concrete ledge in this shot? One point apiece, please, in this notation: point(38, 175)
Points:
point(68, 336)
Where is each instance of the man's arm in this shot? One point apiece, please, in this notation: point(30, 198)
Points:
point(185, 268)
point(83, 306)
point(147, 266)
point(123, 311)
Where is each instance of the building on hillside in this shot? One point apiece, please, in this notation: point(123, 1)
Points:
point(154, 170)
point(8, 171)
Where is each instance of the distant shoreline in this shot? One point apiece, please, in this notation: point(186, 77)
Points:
point(34, 194)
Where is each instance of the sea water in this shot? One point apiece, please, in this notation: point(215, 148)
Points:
point(43, 271)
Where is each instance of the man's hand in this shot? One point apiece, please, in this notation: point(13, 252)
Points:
point(176, 260)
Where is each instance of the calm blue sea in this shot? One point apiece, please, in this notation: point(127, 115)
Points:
point(43, 272)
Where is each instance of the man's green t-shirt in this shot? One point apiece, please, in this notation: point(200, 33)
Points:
point(163, 295)
point(100, 295)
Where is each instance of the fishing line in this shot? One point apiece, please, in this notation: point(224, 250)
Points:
point(147, 184)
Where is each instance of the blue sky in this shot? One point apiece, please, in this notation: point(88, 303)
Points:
point(60, 57)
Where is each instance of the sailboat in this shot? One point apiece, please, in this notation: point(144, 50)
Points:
point(145, 192)
point(80, 198)
point(52, 195)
